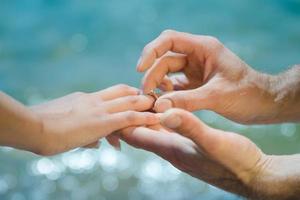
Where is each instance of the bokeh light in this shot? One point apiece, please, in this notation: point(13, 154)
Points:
point(50, 48)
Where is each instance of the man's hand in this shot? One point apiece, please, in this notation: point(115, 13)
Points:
point(212, 77)
point(224, 159)
point(76, 120)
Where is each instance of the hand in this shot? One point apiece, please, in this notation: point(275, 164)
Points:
point(224, 159)
point(81, 119)
point(211, 77)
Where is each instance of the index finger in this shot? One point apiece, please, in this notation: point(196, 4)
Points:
point(168, 40)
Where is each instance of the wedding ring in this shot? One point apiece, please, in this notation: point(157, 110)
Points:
point(153, 94)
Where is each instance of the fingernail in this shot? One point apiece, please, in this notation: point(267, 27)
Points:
point(171, 120)
point(162, 105)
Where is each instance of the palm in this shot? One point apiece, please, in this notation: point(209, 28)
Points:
point(215, 162)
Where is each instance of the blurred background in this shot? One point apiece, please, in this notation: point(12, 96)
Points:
point(49, 48)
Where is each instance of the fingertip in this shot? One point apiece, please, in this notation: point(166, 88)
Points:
point(139, 69)
point(171, 119)
point(140, 66)
point(162, 105)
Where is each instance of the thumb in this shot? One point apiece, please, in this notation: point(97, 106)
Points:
point(190, 100)
point(188, 125)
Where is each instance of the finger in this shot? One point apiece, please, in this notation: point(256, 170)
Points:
point(191, 100)
point(166, 84)
point(188, 125)
point(148, 139)
point(226, 147)
point(125, 119)
point(137, 103)
point(94, 145)
point(179, 82)
point(167, 41)
point(178, 99)
point(155, 75)
point(116, 91)
point(114, 140)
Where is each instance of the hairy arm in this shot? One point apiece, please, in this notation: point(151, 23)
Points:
point(224, 159)
point(200, 73)
point(286, 86)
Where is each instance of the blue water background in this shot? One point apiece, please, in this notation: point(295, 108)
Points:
point(49, 48)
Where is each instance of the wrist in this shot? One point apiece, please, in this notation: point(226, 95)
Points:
point(276, 178)
point(20, 126)
point(41, 140)
point(260, 88)
point(33, 137)
point(25, 133)
point(286, 87)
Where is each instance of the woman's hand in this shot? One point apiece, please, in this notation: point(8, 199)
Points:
point(212, 77)
point(81, 119)
point(76, 120)
point(224, 159)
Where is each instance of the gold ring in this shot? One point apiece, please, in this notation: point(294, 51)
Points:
point(153, 94)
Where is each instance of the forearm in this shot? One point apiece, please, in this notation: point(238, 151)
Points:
point(278, 95)
point(286, 86)
point(19, 126)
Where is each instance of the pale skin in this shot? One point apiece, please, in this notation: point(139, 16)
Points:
point(76, 120)
point(212, 77)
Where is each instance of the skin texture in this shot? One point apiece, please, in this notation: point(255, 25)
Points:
point(209, 76)
point(76, 120)
point(224, 159)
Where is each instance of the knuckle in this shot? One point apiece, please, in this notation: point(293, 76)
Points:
point(122, 86)
point(131, 117)
point(133, 100)
point(168, 32)
point(176, 112)
point(126, 88)
point(185, 115)
point(214, 42)
point(78, 94)
point(165, 60)
point(147, 48)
